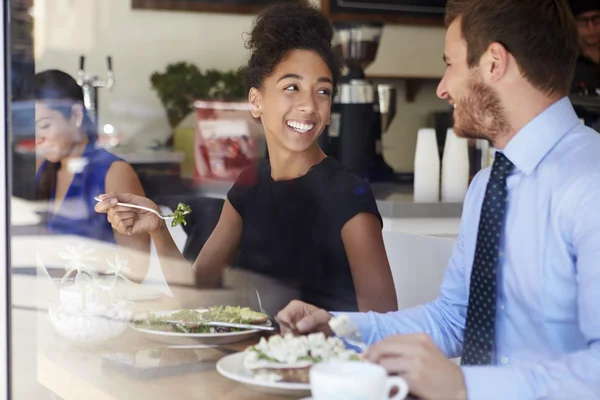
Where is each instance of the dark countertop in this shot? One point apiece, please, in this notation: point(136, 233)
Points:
point(395, 200)
point(590, 103)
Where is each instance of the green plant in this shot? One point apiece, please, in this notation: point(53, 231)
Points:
point(182, 83)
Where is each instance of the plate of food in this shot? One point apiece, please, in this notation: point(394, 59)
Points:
point(192, 328)
point(280, 365)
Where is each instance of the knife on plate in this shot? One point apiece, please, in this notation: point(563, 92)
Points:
point(226, 325)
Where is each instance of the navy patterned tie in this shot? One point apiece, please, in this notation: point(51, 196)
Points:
point(478, 344)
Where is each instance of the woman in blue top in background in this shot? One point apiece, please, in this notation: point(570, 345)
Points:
point(71, 168)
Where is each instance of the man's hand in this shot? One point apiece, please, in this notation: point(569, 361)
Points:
point(429, 374)
point(300, 317)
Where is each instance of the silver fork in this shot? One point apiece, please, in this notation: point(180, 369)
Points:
point(274, 320)
point(355, 339)
point(262, 310)
point(159, 215)
point(348, 332)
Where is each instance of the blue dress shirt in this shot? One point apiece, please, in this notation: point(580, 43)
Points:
point(547, 342)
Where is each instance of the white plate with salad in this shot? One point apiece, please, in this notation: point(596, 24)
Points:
point(232, 367)
point(281, 365)
point(154, 325)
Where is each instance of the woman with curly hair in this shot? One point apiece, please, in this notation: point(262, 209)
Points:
point(300, 216)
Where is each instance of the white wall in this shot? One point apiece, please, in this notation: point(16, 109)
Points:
point(142, 42)
point(400, 141)
point(409, 50)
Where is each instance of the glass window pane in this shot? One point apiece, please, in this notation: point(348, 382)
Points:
point(236, 191)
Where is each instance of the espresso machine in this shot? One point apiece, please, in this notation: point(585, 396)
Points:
point(361, 111)
point(90, 85)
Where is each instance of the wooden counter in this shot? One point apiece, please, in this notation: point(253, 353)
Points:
point(77, 372)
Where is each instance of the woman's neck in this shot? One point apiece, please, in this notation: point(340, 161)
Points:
point(289, 165)
point(76, 152)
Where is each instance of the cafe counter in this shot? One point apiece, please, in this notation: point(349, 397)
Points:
point(394, 200)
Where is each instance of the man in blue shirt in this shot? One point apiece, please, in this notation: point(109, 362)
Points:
point(520, 300)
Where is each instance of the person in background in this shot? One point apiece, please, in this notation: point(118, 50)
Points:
point(587, 70)
point(300, 216)
point(71, 168)
point(519, 299)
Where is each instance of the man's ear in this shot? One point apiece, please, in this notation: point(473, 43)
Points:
point(497, 62)
point(255, 100)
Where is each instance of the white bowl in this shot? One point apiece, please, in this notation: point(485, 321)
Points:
point(94, 326)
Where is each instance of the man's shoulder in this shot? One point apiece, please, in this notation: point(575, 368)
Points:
point(576, 155)
point(571, 171)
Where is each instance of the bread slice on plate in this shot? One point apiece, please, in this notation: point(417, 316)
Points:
point(240, 315)
point(289, 358)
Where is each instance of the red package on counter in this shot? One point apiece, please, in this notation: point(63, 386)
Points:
point(226, 139)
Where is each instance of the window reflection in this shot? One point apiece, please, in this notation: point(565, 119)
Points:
point(176, 127)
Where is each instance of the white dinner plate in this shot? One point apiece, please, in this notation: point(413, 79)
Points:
point(190, 338)
point(232, 367)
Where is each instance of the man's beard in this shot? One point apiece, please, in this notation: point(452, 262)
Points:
point(479, 114)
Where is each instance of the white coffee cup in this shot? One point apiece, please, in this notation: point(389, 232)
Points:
point(354, 380)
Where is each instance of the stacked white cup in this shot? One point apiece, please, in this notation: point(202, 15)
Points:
point(427, 168)
point(455, 168)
